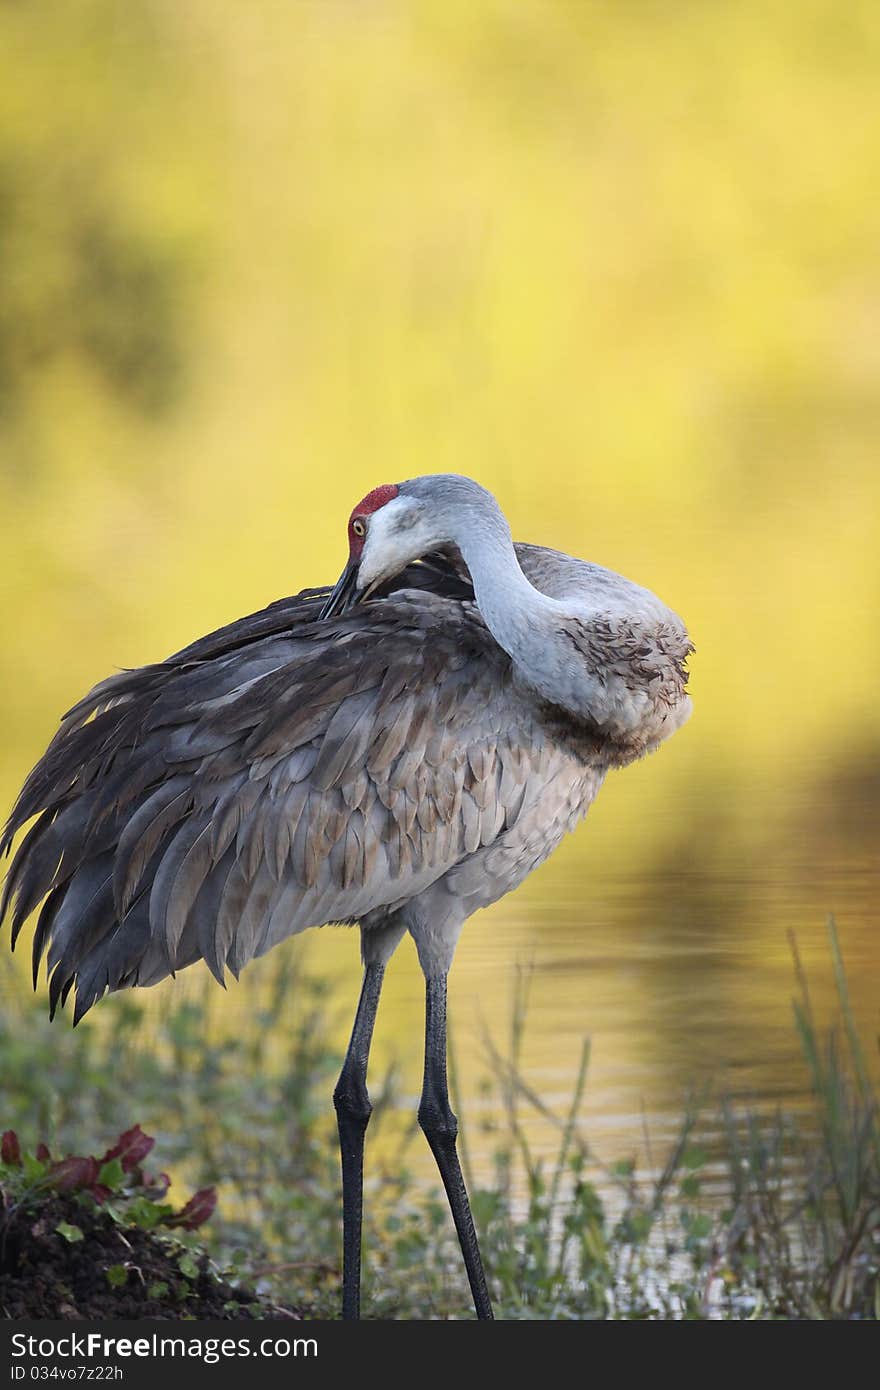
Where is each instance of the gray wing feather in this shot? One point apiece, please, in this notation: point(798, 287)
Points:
point(279, 774)
point(143, 834)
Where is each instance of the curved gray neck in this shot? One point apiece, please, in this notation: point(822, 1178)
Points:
point(576, 651)
point(509, 604)
point(527, 624)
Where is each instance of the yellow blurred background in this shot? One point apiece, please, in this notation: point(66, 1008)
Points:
point(621, 263)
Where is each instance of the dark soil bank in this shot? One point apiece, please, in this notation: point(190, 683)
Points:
point(110, 1272)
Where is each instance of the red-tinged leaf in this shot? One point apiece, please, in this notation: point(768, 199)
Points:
point(10, 1149)
point(131, 1148)
point(100, 1193)
point(43, 1153)
point(198, 1210)
point(71, 1174)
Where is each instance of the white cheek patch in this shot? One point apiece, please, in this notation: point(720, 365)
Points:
point(393, 540)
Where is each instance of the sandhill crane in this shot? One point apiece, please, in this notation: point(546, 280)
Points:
point(395, 763)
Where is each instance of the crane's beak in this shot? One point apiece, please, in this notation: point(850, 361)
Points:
point(345, 593)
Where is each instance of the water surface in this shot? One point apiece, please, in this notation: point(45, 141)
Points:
point(677, 966)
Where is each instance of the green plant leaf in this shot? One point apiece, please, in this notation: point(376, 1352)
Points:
point(140, 1211)
point(69, 1232)
point(111, 1174)
point(33, 1168)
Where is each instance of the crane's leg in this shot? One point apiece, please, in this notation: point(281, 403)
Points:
point(441, 1129)
point(353, 1108)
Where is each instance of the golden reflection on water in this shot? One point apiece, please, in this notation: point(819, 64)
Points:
point(680, 976)
point(577, 252)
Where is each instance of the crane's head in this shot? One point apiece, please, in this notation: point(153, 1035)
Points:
point(373, 528)
point(396, 524)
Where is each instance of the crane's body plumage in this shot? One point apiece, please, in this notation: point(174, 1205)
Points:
point(398, 764)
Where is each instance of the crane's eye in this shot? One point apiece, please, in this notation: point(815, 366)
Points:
point(358, 527)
